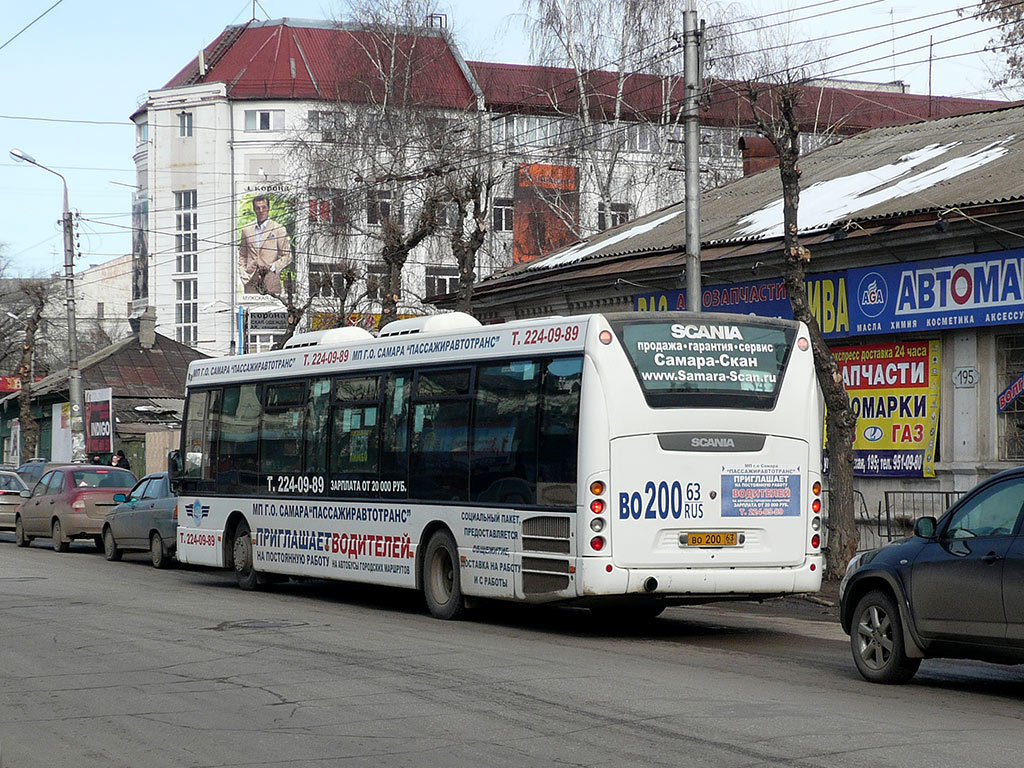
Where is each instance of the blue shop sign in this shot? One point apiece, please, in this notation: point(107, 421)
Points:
point(958, 292)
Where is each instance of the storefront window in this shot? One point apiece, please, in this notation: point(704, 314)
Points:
point(1010, 367)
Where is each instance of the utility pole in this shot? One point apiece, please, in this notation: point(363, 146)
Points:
point(691, 153)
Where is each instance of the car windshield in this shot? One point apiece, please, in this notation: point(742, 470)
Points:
point(102, 478)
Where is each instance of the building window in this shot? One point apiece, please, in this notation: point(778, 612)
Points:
point(378, 206)
point(442, 280)
point(502, 209)
point(264, 119)
point(619, 214)
point(261, 342)
point(376, 281)
point(327, 207)
point(141, 133)
point(186, 231)
point(186, 311)
point(1009, 367)
point(329, 280)
point(330, 125)
point(99, 310)
point(184, 123)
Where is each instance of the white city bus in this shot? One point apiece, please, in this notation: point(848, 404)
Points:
point(623, 462)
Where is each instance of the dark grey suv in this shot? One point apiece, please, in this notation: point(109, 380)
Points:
point(955, 589)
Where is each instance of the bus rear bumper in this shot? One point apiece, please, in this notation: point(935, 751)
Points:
point(709, 583)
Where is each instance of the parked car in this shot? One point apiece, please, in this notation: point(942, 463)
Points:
point(145, 518)
point(955, 589)
point(11, 486)
point(70, 502)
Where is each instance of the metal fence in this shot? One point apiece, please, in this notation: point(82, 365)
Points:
point(896, 514)
point(899, 510)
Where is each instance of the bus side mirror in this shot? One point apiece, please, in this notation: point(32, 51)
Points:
point(174, 471)
point(925, 528)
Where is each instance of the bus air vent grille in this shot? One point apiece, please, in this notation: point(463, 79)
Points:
point(545, 565)
point(535, 583)
point(556, 527)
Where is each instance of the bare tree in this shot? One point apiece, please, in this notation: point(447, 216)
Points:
point(34, 294)
point(471, 193)
point(1009, 16)
point(774, 92)
point(380, 152)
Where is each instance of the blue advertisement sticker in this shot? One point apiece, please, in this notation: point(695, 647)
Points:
point(760, 492)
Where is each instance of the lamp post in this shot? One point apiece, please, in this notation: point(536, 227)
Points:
point(74, 375)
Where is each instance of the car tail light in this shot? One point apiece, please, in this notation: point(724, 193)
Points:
point(175, 515)
point(77, 505)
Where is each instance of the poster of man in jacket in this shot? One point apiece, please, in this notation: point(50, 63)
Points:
point(265, 249)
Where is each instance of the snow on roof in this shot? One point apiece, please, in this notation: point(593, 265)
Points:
point(826, 202)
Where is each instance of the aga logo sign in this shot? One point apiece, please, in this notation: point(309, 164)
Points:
point(871, 294)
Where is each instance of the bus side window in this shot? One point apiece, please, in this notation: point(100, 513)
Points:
point(281, 428)
point(504, 466)
point(439, 452)
point(559, 432)
point(318, 413)
point(235, 466)
point(394, 452)
point(355, 434)
point(201, 438)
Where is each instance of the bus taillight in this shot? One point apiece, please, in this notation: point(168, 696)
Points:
point(597, 524)
point(815, 541)
point(597, 543)
point(597, 506)
point(816, 506)
point(597, 487)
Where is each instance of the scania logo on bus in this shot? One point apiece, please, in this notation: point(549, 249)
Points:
point(706, 332)
point(871, 294)
point(713, 442)
point(199, 512)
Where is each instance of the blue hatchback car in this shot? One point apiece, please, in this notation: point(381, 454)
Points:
point(955, 589)
point(145, 519)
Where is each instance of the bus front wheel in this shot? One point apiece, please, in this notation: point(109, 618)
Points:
point(441, 586)
point(245, 571)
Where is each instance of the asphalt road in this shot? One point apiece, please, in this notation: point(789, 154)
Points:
point(118, 664)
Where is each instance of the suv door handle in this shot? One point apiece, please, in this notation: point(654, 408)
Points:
point(991, 557)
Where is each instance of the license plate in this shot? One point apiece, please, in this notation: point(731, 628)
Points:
point(712, 539)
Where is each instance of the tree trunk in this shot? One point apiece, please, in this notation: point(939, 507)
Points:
point(841, 421)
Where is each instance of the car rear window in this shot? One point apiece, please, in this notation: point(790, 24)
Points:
point(102, 478)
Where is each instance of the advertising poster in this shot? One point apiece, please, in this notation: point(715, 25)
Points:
point(546, 210)
point(894, 391)
point(140, 251)
point(760, 491)
point(266, 222)
point(99, 421)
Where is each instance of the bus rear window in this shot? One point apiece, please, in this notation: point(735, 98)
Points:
point(702, 363)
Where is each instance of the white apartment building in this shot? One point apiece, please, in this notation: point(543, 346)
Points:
point(223, 131)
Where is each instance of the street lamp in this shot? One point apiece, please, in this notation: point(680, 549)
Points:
point(74, 375)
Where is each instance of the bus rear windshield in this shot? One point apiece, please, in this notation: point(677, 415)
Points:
point(708, 363)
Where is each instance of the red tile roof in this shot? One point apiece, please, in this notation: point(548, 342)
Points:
point(296, 59)
point(515, 87)
point(290, 59)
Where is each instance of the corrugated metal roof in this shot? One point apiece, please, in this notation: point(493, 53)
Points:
point(885, 173)
point(301, 59)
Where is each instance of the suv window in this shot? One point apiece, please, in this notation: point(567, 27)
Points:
point(993, 512)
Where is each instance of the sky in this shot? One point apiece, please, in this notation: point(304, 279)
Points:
point(73, 78)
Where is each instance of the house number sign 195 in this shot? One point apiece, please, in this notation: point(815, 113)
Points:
point(965, 377)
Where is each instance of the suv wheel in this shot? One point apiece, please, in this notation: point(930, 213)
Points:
point(876, 639)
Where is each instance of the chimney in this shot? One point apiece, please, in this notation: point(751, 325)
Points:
point(758, 154)
point(147, 328)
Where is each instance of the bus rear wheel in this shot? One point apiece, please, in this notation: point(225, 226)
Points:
point(441, 586)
